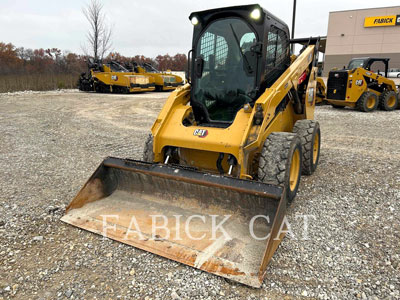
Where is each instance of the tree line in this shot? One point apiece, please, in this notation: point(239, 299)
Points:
point(45, 69)
point(19, 60)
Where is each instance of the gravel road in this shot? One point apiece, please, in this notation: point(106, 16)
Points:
point(51, 142)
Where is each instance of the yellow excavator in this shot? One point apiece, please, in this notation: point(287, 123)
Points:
point(112, 77)
point(225, 155)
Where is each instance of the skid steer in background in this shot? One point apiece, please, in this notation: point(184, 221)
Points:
point(321, 92)
point(228, 148)
point(362, 86)
point(113, 77)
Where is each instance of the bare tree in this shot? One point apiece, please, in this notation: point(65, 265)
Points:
point(100, 34)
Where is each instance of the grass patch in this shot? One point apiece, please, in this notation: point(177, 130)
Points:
point(37, 82)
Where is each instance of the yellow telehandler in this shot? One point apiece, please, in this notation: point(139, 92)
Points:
point(362, 86)
point(225, 154)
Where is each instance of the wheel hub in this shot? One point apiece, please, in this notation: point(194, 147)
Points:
point(294, 170)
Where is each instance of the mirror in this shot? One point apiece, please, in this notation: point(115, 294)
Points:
point(198, 66)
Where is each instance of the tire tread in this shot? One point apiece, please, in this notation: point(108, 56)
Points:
point(148, 154)
point(305, 130)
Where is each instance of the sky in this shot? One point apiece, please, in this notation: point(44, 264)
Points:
point(147, 27)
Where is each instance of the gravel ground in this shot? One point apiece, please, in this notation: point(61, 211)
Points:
point(51, 142)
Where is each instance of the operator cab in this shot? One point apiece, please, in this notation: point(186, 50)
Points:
point(238, 52)
point(373, 64)
point(149, 68)
point(116, 67)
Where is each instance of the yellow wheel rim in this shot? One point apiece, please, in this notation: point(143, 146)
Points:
point(391, 102)
point(294, 170)
point(371, 102)
point(316, 148)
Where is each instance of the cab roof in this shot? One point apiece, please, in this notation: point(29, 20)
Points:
point(249, 8)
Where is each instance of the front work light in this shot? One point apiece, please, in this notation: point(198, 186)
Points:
point(194, 20)
point(255, 14)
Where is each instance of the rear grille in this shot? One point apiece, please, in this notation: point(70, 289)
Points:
point(337, 85)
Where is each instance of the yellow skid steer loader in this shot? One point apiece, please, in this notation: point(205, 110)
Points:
point(358, 86)
point(225, 155)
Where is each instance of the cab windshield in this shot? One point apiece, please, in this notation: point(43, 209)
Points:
point(356, 63)
point(227, 79)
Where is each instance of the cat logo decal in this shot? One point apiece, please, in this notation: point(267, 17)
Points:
point(200, 133)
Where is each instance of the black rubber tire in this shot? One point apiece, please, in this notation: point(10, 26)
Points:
point(398, 97)
point(159, 88)
point(362, 102)
point(337, 106)
point(275, 161)
point(308, 131)
point(148, 154)
point(384, 99)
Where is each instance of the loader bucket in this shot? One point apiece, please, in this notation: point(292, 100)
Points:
point(222, 225)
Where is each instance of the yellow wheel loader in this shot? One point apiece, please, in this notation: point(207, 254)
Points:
point(113, 77)
point(225, 154)
point(358, 86)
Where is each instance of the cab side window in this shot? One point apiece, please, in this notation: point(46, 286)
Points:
point(271, 47)
point(277, 57)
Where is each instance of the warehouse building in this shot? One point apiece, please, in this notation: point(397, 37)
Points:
point(373, 32)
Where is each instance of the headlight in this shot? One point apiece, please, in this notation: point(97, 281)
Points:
point(255, 14)
point(194, 21)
